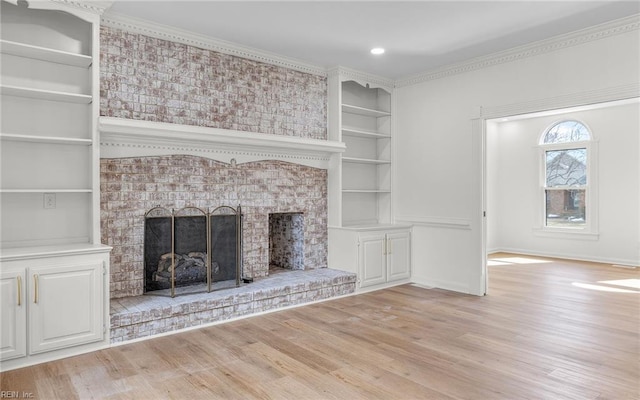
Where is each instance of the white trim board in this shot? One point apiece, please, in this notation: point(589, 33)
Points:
point(442, 284)
point(132, 138)
point(567, 256)
point(361, 77)
point(435, 222)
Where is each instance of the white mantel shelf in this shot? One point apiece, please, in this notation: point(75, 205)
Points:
point(132, 138)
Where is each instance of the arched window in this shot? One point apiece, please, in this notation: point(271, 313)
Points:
point(566, 132)
point(566, 182)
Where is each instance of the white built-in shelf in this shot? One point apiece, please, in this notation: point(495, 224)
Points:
point(355, 132)
point(45, 139)
point(366, 191)
point(365, 160)
point(45, 54)
point(367, 112)
point(51, 190)
point(45, 94)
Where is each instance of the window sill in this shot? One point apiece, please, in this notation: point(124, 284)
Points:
point(566, 234)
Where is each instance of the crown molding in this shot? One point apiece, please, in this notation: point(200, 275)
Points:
point(133, 138)
point(620, 26)
point(165, 32)
point(361, 77)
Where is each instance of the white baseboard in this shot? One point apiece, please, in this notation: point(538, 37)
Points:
point(568, 256)
point(382, 286)
point(442, 284)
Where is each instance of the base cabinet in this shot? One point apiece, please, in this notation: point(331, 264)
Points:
point(384, 257)
point(373, 263)
point(398, 256)
point(13, 314)
point(65, 308)
point(378, 255)
point(52, 306)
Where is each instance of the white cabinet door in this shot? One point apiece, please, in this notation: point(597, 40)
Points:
point(398, 256)
point(372, 260)
point(65, 306)
point(13, 315)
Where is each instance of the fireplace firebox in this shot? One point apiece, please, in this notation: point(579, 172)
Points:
point(191, 250)
point(286, 240)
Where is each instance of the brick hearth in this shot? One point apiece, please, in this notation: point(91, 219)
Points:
point(142, 316)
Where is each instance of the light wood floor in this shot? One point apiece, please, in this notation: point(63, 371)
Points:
point(547, 330)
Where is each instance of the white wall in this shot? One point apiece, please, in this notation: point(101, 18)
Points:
point(436, 178)
point(513, 194)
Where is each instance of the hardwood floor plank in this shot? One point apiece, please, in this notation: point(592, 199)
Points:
point(549, 329)
point(287, 345)
point(289, 387)
point(249, 384)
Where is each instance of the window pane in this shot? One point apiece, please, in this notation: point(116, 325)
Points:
point(566, 167)
point(567, 131)
point(565, 208)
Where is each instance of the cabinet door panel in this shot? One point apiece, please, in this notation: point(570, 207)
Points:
point(13, 315)
point(66, 306)
point(372, 260)
point(399, 256)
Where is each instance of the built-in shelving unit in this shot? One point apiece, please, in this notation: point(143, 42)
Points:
point(54, 277)
point(360, 187)
point(49, 144)
point(363, 236)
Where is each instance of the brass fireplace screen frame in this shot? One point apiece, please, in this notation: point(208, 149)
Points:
point(190, 211)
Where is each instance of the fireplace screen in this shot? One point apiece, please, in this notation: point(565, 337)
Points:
point(190, 250)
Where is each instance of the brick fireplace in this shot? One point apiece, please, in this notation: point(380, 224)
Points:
point(186, 126)
point(283, 179)
point(281, 184)
point(132, 186)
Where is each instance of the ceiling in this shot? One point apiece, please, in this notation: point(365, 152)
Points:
point(418, 35)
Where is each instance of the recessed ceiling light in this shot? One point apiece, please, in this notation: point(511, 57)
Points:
point(377, 50)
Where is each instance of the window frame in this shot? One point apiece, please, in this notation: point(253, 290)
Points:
point(590, 229)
